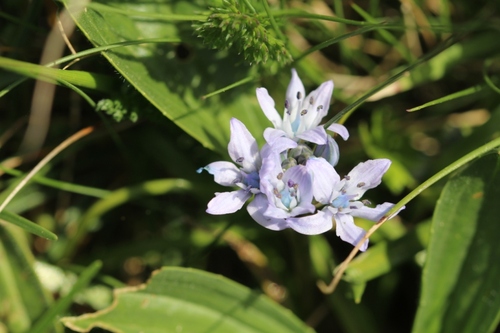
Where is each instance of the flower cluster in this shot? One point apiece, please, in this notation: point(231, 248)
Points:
point(292, 179)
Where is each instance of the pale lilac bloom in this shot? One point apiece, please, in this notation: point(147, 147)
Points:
point(302, 114)
point(344, 202)
point(244, 151)
point(287, 195)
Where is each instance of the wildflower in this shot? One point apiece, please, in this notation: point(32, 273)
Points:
point(344, 202)
point(302, 113)
point(244, 151)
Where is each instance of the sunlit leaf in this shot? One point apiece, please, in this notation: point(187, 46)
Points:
point(461, 279)
point(188, 300)
point(173, 77)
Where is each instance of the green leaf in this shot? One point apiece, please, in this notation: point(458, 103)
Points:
point(79, 78)
point(22, 296)
point(173, 77)
point(189, 300)
point(461, 279)
point(27, 225)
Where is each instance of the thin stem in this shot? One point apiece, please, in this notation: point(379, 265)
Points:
point(231, 86)
point(273, 21)
point(75, 137)
point(249, 5)
point(477, 153)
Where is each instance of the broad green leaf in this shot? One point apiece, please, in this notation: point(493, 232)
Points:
point(22, 297)
point(173, 77)
point(461, 279)
point(188, 300)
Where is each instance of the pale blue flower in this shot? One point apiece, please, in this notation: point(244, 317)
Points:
point(244, 151)
point(302, 114)
point(285, 193)
point(344, 203)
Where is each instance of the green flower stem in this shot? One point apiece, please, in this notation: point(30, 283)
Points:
point(450, 97)
point(273, 21)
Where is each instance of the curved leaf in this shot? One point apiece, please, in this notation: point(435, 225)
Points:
point(461, 279)
point(188, 300)
point(173, 77)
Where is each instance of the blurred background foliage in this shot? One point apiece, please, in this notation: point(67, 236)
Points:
point(127, 195)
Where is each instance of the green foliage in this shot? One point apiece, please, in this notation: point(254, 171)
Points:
point(124, 205)
point(459, 291)
point(180, 299)
point(233, 27)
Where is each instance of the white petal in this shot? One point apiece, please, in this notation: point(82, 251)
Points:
point(340, 130)
point(374, 214)
point(295, 93)
point(278, 140)
point(315, 135)
point(225, 173)
point(227, 202)
point(316, 105)
point(267, 105)
point(243, 147)
point(313, 224)
point(324, 178)
point(348, 231)
point(365, 176)
point(256, 209)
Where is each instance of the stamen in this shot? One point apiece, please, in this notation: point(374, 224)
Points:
point(290, 183)
point(366, 202)
point(303, 112)
point(361, 184)
point(299, 95)
point(347, 177)
point(353, 207)
point(319, 108)
point(240, 160)
point(287, 104)
point(311, 100)
point(277, 193)
point(280, 176)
